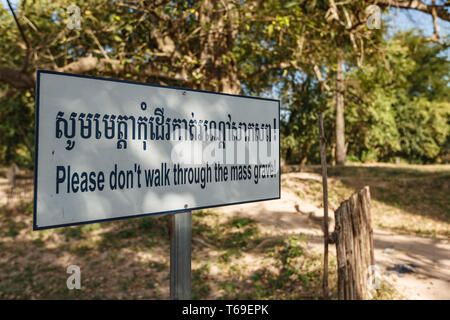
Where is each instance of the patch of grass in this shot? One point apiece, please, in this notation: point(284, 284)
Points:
point(240, 222)
point(237, 233)
point(71, 232)
point(91, 227)
point(242, 238)
point(387, 292)
point(26, 208)
point(159, 266)
point(200, 287)
point(228, 254)
point(230, 289)
point(294, 273)
point(201, 213)
point(146, 224)
point(109, 241)
point(82, 250)
point(410, 199)
point(127, 233)
point(12, 230)
point(201, 229)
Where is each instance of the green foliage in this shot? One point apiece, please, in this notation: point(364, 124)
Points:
point(200, 286)
point(405, 107)
point(296, 267)
point(396, 106)
point(396, 98)
point(17, 129)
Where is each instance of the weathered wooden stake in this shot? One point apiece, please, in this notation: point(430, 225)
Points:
point(354, 247)
point(180, 256)
point(323, 160)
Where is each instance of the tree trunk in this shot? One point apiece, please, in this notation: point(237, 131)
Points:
point(218, 33)
point(340, 121)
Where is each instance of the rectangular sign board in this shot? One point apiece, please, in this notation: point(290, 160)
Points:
point(109, 149)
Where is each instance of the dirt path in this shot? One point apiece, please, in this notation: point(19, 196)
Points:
point(428, 258)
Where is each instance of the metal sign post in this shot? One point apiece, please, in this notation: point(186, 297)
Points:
point(180, 256)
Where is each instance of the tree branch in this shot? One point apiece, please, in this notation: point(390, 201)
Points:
point(88, 64)
point(416, 5)
point(21, 80)
point(324, 88)
point(435, 37)
point(16, 78)
point(27, 43)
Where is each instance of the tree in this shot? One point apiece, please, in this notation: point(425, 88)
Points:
point(182, 43)
point(340, 120)
point(351, 18)
point(228, 46)
point(406, 109)
point(178, 43)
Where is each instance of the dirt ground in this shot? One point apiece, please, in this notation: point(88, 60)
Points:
point(410, 213)
point(429, 258)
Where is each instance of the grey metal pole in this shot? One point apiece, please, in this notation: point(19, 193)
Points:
point(180, 256)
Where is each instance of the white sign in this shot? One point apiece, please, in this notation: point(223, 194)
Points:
point(109, 149)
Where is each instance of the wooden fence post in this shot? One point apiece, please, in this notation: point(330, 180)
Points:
point(354, 246)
